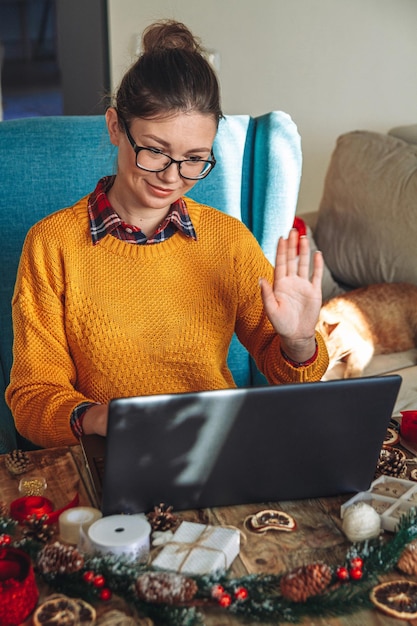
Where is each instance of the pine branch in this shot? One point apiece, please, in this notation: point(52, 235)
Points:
point(7, 525)
point(263, 603)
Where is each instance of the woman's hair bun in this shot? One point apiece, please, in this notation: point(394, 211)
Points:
point(171, 74)
point(168, 34)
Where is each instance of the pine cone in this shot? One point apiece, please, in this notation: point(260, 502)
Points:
point(304, 582)
point(37, 528)
point(407, 562)
point(57, 558)
point(166, 588)
point(17, 462)
point(162, 518)
point(391, 462)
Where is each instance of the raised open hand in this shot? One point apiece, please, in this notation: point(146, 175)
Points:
point(292, 303)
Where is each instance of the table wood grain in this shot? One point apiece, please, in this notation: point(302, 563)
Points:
point(318, 535)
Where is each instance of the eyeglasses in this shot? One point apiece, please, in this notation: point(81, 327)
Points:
point(153, 160)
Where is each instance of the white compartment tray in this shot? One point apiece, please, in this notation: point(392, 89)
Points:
point(390, 497)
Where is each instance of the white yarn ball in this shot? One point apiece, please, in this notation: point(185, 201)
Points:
point(361, 522)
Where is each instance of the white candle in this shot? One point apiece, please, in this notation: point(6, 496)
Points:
point(72, 521)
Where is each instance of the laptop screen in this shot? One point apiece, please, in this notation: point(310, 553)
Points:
point(240, 446)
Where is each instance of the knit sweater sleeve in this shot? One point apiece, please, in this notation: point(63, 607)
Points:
point(41, 393)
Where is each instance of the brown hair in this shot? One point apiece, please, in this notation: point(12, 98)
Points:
point(171, 74)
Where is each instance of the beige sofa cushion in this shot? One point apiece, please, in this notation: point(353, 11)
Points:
point(367, 219)
point(407, 133)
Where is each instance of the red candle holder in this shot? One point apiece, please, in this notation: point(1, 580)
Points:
point(18, 591)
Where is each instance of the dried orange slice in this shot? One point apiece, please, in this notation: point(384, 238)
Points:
point(392, 437)
point(65, 611)
point(86, 612)
point(397, 598)
point(270, 520)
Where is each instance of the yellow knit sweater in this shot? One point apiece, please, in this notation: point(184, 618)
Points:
point(117, 319)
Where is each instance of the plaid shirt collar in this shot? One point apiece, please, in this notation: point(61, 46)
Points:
point(105, 221)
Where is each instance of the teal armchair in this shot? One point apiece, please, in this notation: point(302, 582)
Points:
point(49, 163)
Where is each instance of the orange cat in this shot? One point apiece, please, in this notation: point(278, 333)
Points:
point(377, 319)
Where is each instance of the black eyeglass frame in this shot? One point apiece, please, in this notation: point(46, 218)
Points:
point(212, 161)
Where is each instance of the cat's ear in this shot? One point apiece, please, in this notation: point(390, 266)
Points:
point(330, 327)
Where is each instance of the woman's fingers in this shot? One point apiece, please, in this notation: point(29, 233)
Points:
point(293, 256)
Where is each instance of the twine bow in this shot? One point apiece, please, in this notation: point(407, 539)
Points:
point(188, 547)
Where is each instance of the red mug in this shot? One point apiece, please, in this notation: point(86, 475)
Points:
point(408, 426)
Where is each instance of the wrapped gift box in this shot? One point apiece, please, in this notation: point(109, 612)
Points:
point(199, 549)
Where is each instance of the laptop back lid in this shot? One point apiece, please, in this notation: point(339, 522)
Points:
point(240, 446)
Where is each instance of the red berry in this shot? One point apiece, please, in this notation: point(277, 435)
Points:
point(88, 577)
point(5, 540)
point(105, 594)
point(342, 573)
point(99, 581)
point(357, 562)
point(241, 593)
point(217, 591)
point(356, 573)
point(225, 600)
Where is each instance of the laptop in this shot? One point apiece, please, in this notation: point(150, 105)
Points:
point(241, 446)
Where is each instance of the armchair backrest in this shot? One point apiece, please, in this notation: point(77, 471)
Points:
point(49, 163)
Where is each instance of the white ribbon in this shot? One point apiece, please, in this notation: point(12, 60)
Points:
point(119, 534)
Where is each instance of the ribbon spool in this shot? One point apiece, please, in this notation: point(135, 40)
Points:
point(72, 521)
point(121, 534)
point(18, 590)
point(27, 506)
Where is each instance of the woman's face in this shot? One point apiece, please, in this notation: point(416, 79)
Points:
point(179, 135)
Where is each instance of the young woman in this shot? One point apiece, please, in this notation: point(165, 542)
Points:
point(138, 290)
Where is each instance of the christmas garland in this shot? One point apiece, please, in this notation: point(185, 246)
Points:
point(174, 599)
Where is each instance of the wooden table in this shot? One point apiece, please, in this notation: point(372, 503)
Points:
point(318, 535)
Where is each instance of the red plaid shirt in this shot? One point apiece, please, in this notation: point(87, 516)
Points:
point(105, 221)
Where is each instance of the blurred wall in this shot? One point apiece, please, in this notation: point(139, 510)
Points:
point(333, 65)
